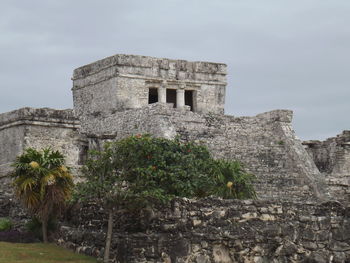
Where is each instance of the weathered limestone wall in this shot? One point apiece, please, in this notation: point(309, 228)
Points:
point(266, 144)
point(11, 140)
point(122, 81)
point(38, 128)
point(11, 208)
point(213, 230)
point(332, 157)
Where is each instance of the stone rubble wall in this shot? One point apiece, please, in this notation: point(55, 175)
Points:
point(332, 158)
point(266, 144)
point(215, 230)
point(11, 208)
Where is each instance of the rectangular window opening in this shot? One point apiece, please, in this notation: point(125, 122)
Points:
point(83, 154)
point(152, 95)
point(171, 96)
point(189, 98)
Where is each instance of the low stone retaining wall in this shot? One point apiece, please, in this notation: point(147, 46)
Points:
point(213, 230)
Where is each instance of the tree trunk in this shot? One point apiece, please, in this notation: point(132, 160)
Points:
point(109, 236)
point(44, 230)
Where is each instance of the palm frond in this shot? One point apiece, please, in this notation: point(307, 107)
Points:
point(43, 185)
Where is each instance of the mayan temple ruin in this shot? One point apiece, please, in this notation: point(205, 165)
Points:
point(303, 187)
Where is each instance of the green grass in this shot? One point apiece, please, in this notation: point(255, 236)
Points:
point(39, 253)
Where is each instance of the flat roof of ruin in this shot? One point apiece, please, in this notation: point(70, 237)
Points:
point(149, 62)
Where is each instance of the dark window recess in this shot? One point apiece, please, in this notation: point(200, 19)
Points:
point(171, 96)
point(189, 98)
point(152, 95)
point(83, 154)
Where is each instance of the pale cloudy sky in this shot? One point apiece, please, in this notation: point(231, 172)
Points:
point(289, 54)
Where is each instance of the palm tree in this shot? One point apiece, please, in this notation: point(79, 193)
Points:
point(42, 183)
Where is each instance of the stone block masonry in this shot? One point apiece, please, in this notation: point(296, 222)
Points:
point(266, 144)
point(123, 82)
point(38, 128)
point(214, 230)
point(332, 158)
point(126, 94)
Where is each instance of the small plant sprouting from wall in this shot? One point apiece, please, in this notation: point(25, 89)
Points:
point(280, 142)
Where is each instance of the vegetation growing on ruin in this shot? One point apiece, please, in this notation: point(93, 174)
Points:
point(238, 181)
point(142, 170)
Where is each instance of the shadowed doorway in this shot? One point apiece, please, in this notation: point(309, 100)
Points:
point(152, 95)
point(171, 96)
point(189, 98)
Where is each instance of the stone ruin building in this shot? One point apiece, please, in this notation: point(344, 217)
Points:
point(124, 95)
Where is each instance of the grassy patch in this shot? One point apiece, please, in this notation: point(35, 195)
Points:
point(39, 253)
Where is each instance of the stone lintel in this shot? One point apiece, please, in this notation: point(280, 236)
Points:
point(153, 80)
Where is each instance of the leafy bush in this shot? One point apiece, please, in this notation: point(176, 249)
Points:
point(34, 226)
point(142, 170)
point(233, 181)
point(5, 224)
point(16, 236)
point(161, 169)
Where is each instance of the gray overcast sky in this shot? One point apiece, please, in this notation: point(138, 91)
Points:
point(290, 54)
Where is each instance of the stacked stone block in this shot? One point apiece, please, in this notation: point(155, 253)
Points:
point(215, 230)
point(38, 128)
point(122, 82)
point(265, 144)
point(332, 158)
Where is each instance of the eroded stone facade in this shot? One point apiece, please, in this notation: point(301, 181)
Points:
point(266, 144)
point(332, 158)
point(38, 128)
point(124, 82)
point(126, 94)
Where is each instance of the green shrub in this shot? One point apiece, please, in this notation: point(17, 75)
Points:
point(5, 224)
point(34, 226)
point(142, 170)
point(233, 181)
